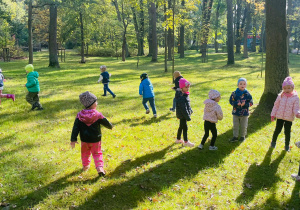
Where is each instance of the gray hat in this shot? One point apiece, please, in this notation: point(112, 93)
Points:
point(87, 99)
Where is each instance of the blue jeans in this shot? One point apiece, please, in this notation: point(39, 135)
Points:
point(152, 104)
point(106, 88)
point(174, 103)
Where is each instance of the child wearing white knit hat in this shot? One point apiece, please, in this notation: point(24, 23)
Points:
point(212, 113)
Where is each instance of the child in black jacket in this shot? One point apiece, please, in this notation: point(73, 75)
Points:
point(177, 77)
point(87, 123)
point(183, 112)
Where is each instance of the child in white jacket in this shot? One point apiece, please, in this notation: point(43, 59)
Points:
point(212, 113)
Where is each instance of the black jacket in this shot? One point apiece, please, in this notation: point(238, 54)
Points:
point(89, 134)
point(183, 107)
point(178, 92)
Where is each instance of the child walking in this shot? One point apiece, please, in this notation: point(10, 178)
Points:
point(177, 76)
point(146, 90)
point(88, 124)
point(2, 80)
point(297, 176)
point(241, 100)
point(183, 112)
point(212, 113)
point(104, 77)
point(285, 108)
point(33, 87)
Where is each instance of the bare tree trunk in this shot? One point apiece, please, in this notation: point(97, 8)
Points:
point(207, 5)
point(289, 25)
point(30, 44)
point(136, 27)
point(170, 37)
point(230, 33)
point(82, 38)
point(276, 56)
point(253, 46)
point(53, 58)
point(217, 26)
point(248, 20)
point(181, 42)
point(238, 29)
point(166, 40)
point(150, 33)
point(142, 28)
point(154, 35)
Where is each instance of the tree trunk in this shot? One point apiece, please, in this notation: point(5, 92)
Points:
point(253, 46)
point(166, 40)
point(30, 44)
point(248, 20)
point(289, 25)
point(181, 41)
point(82, 38)
point(150, 33)
point(53, 58)
point(207, 5)
point(170, 37)
point(124, 44)
point(154, 35)
point(276, 56)
point(136, 27)
point(141, 29)
point(230, 33)
point(217, 26)
point(238, 29)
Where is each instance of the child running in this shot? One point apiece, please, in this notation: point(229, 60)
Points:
point(183, 112)
point(240, 100)
point(212, 113)
point(104, 77)
point(146, 90)
point(285, 108)
point(2, 80)
point(87, 124)
point(177, 77)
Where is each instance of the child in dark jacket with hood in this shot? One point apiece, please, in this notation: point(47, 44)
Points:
point(87, 123)
point(33, 87)
point(183, 112)
point(146, 90)
point(177, 76)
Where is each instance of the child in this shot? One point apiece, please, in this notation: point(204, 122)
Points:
point(212, 113)
point(87, 123)
point(241, 100)
point(146, 90)
point(177, 77)
point(297, 176)
point(183, 112)
point(2, 80)
point(104, 77)
point(33, 87)
point(284, 110)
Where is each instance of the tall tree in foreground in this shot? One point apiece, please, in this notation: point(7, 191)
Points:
point(206, 14)
point(230, 33)
point(181, 36)
point(53, 58)
point(152, 14)
point(30, 43)
point(276, 56)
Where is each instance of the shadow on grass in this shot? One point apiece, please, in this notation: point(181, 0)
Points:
point(260, 177)
point(128, 194)
point(152, 120)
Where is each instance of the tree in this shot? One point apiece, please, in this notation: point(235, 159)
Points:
point(53, 58)
point(238, 27)
point(206, 13)
point(247, 16)
point(152, 28)
point(230, 33)
point(181, 40)
point(276, 56)
point(30, 43)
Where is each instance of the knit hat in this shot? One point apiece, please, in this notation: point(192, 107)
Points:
point(176, 74)
point(183, 83)
point(87, 99)
point(144, 76)
point(288, 81)
point(213, 94)
point(241, 79)
point(29, 68)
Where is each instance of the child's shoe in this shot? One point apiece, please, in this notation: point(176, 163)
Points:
point(12, 96)
point(100, 171)
point(213, 148)
point(155, 115)
point(85, 168)
point(35, 105)
point(188, 144)
point(147, 111)
point(242, 139)
point(297, 144)
point(114, 96)
point(179, 141)
point(172, 110)
point(296, 177)
point(103, 95)
point(200, 146)
point(234, 139)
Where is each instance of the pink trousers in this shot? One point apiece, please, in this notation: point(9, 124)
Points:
point(91, 148)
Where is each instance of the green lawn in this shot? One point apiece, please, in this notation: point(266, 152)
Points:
point(145, 169)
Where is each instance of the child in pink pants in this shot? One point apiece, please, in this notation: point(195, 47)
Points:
point(87, 125)
point(2, 80)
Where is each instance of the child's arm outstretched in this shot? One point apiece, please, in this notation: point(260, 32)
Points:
point(106, 123)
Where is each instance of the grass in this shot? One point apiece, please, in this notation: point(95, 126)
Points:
point(145, 169)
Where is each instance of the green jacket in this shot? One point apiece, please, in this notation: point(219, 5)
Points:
point(32, 82)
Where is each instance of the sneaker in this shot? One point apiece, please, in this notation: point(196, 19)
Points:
point(114, 96)
point(188, 144)
point(103, 95)
point(297, 144)
point(234, 139)
point(40, 108)
point(147, 111)
point(242, 139)
point(296, 177)
point(155, 115)
point(213, 148)
point(179, 141)
point(200, 146)
point(85, 168)
point(100, 171)
point(172, 110)
point(35, 105)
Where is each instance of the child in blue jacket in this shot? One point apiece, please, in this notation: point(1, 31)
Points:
point(146, 90)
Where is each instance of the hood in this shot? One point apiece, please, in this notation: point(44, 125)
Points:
point(33, 74)
point(292, 94)
point(146, 81)
point(209, 104)
point(89, 116)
